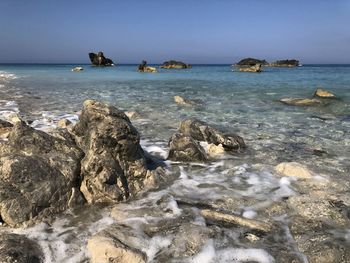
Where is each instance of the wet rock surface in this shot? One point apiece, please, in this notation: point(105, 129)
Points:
point(19, 249)
point(301, 101)
point(173, 64)
point(37, 174)
point(322, 93)
point(114, 166)
point(100, 60)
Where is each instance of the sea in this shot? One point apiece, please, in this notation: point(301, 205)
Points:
point(243, 103)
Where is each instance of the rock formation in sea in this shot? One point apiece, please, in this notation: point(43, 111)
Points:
point(100, 60)
point(173, 64)
point(320, 97)
point(144, 68)
point(251, 62)
point(322, 93)
point(285, 63)
point(98, 160)
point(256, 68)
point(185, 143)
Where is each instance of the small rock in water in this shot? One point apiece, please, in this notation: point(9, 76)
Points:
point(321, 93)
point(132, 114)
point(77, 69)
point(293, 169)
point(300, 101)
point(182, 101)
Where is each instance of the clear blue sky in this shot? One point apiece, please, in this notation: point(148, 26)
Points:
point(196, 31)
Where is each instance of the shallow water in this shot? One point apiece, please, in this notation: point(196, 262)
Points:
point(243, 103)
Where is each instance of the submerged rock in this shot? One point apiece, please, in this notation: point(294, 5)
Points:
point(182, 101)
point(114, 245)
point(100, 60)
point(321, 93)
point(37, 174)
point(293, 169)
point(114, 166)
point(301, 101)
point(19, 249)
point(172, 64)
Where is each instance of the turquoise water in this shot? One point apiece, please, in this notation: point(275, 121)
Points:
point(245, 103)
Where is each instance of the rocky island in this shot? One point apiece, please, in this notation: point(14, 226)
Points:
point(173, 64)
point(100, 60)
point(285, 63)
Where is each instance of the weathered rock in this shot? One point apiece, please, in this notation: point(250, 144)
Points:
point(215, 150)
point(116, 244)
point(5, 124)
point(5, 128)
point(321, 93)
point(144, 68)
point(201, 131)
point(114, 165)
point(182, 101)
point(77, 69)
point(301, 101)
point(293, 169)
point(19, 249)
point(185, 149)
point(230, 219)
point(251, 62)
point(37, 174)
point(285, 63)
point(100, 60)
point(255, 69)
point(172, 64)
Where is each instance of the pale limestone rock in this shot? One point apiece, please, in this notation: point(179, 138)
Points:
point(132, 114)
point(63, 123)
point(182, 101)
point(214, 150)
point(323, 93)
point(293, 169)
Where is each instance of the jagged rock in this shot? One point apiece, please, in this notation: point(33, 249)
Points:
point(37, 174)
point(114, 165)
point(285, 63)
point(5, 128)
point(100, 60)
point(201, 131)
point(5, 124)
point(256, 68)
point(77, 69)
point(185, 149)
point(301, 101)
point(293, 169)
point(117, 244)
point(19, 249)
point(182, 101)
point(172, 64)
point(321, 93)
point(251, 62)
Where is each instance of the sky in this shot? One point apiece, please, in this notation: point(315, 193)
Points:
point(194, 31)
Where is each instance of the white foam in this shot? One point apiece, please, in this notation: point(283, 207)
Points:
point(156, 244)
point(238, 255)
point(156, 149)
point(250, 214)
point(6, 75)
point(206, 255)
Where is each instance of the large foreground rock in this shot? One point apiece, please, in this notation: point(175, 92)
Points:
point(38, 174)
point(185, 144)
point(19, 249)
point(114, 166)
point(100, 60)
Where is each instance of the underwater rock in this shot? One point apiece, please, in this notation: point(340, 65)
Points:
point(301, 101)
point(182, 101)
point(116, 244)
point(321, 93)
point(114, 166)
point(183, 148)
point(201, 131)
point(172, 64)
point(19, 249)
point(100, 60)
point(293, 169)
point(37, 174)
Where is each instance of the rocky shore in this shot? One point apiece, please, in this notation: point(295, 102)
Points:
point(99, 160)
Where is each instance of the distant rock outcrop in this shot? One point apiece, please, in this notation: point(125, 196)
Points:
point(285, 63)
point(144, 68)
point(251, 62)
point(173, 64)
point(100, 60)
point(255, 68)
